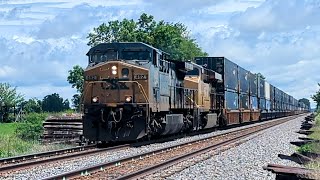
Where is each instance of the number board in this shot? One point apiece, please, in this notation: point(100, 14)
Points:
point(140, 77)
point(91, 78)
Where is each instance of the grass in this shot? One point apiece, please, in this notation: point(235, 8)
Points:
point(316, 129)
point(7, 129)
point(313, 147)
point(12, 144)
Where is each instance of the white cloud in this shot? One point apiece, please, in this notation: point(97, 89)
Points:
point(6, 71)
point(278, 16)
point(46, 89)
point(41, 40)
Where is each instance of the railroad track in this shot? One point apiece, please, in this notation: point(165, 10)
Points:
point(140, 165)
point(8, 165)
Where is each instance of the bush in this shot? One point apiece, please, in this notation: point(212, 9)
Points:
point(12, 145)
point(32, 128)
point(305, 148)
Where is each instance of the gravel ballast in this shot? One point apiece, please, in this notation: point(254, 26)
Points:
point(240, 162)
point(45, 170)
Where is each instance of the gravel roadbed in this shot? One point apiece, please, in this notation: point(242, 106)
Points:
point(48, 170)
point(243, 161)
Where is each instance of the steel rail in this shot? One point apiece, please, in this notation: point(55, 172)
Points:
point(57, 158)
point(44, 154)
point(84, 172)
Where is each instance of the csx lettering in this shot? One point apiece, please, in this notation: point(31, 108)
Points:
point(114, 84)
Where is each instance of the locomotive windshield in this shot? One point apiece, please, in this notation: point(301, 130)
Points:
point(103, 56)
point(136, 55)
point(194, 72)
point(98, 57)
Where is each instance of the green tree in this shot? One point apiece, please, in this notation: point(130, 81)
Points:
point(76, 101)
point(9, 97)
point(261, 76)
point(316, 98)
point(172, 38)
point(76, 79)
point(32, 105)
point(305, 101)
point(66, 104)
point(54, 103)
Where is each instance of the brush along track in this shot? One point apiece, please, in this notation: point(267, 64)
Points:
point(146, 163)
point(10, 165)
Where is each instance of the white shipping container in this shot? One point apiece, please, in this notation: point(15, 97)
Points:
point(267, 90)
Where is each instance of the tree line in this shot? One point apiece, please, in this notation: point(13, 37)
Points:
point(13, 103)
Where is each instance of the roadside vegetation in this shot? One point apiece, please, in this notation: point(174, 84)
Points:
point(313, 147)
point(21, 121)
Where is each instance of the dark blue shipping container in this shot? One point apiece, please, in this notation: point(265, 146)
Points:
point(262, 104)
point(271, 92)
point(268, 105)
point(226, 68)
point(253, 83)
point(244, 101)
point(231, 100)
point(243, 80)
point(277, 96)
point(261, 89)
point(254, 102)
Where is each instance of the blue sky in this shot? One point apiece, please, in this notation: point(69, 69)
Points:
point(41, 40)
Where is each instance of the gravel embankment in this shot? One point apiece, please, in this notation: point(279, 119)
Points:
point(48, 170)
point(240, 162)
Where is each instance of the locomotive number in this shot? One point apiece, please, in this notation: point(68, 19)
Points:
point(140, 77)
point(91, 78)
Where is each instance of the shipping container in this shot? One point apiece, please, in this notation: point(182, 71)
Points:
point(272, 106)
point(226, 68)
point(254, 103)
point(271, 92)
point(267, 90)
point(231, 100)
point(253, 84)
point(243, 80)
point(262, 104)
point(268, 105)
point(244, 101)
point(261, 89)
point(277, 96)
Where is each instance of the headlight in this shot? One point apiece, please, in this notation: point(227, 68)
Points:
point(128, 98)
point(114, 70)
point(125, 72)
point(95, 99)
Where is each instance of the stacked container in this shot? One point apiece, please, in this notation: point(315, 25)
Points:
point(243, 76)
point(262, 97)
point(253, 96)
point(229, 88)
point(267, 96)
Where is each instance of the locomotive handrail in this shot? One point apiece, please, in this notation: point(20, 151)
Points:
point(193, 102)
point(140, 87)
